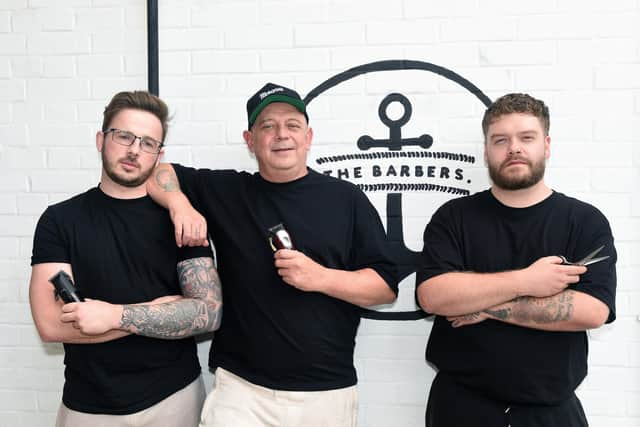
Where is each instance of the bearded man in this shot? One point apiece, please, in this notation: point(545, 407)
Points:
point(509, 338)
point(130, 355)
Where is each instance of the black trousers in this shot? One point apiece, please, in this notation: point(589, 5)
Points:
point(453, 405)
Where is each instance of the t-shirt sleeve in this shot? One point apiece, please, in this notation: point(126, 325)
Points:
point(371, 247)
point(441, 252)
point(189, 180)
point(188, 252)
point(49, 244)
point(600, 279)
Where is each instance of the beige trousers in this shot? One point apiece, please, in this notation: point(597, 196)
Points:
point(239, 403)
point(182, 409)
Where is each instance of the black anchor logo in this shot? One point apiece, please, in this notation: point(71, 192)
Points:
point(406, 259)
point(395, 141)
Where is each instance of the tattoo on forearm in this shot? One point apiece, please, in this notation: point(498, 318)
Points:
point(537, 310)
point(471, 316)
point(167, 180)
point(199, 280)
point(200, 310)
point(501, 314)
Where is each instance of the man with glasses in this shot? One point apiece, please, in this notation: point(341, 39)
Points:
point(130, 354)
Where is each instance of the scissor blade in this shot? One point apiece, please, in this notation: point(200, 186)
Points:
point(586, 259)
point(593, 261)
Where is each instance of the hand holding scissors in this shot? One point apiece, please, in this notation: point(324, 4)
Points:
point(589, 259)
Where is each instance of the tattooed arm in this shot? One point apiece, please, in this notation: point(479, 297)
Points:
point(460, 293)
point(567, 311)
point(164, 189)
point(199, 310)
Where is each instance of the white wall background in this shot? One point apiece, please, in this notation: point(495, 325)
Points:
point(61, 61)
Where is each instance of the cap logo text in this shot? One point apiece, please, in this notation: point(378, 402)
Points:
point(263, 95)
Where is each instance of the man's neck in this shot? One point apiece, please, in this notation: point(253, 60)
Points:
point(118, 191)
point(522, 198)
point(281, 177)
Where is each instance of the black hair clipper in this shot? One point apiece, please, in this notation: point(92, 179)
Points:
point(65, 288)
point(279, 238)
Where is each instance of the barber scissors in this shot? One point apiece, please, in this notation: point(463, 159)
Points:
point(589, 259)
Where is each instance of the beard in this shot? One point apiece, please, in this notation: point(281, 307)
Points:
point(110, 169)
point(517, 182)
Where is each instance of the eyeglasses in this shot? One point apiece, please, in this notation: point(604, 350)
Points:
point(126, 138)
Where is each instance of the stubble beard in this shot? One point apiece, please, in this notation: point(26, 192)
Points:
point(110, 170)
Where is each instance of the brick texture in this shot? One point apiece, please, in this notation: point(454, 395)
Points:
point(60, 65)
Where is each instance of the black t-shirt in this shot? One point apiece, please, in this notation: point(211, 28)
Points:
point(123, 252)
point(273, 334)
point(478, 233)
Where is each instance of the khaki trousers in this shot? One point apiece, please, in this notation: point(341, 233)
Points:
point(235, 402)
point(182, 409)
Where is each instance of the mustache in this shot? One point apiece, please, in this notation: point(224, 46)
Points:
point(131, 159)
point(515, 158)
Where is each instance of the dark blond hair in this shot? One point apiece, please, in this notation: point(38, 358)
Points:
point(136, 100)
point(516, 103)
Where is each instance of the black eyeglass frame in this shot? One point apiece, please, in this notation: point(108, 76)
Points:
point(143, 140)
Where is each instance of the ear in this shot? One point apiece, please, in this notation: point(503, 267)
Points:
point(484, 154)
point(160, 156)
point(309, 138)
point(248, 138)
point(547, 147)
point(99, 141)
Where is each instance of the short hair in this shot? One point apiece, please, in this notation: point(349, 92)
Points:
point(136, 100)
point(516, 103)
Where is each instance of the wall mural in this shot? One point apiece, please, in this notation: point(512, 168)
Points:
point(397, 163)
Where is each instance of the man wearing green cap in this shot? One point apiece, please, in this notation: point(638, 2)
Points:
point(284, 352)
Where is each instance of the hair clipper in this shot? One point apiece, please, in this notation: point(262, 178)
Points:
point(65, 288)
point(279, 238)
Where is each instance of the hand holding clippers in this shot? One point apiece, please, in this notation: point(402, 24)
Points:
point(65, 288)
point(279, 238)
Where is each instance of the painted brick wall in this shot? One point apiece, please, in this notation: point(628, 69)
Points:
point(61, 61)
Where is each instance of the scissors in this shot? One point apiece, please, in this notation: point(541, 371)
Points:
point(589, 259)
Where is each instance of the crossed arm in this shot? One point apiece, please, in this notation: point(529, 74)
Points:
point(198, 310)
point(535, 297)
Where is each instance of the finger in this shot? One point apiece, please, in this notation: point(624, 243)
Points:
point(178, 234)
point(282, 254)
point(67, 308)
point(574, 279)
point(574, 269)
point(288, 253)
point(67, 317)
point(187, 237)
point(202, 233)
point(284, 264)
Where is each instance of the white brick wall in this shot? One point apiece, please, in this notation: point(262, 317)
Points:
point(59, 65)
